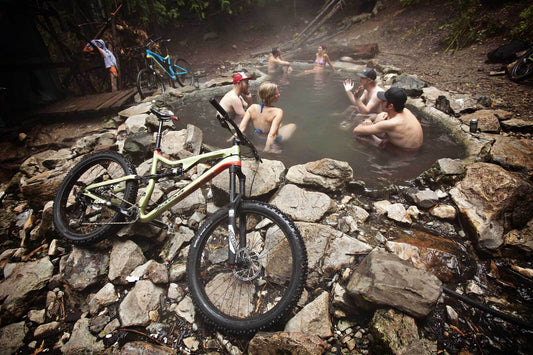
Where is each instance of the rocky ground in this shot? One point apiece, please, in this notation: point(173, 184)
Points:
point(463, 224)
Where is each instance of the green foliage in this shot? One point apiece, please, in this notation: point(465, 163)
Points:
point(524, 29)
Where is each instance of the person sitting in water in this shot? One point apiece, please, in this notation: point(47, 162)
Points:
point(266, 119)
point(322, 58)
point(236, 101)
point(275, 62)
point(365, 99)
point(396, 126)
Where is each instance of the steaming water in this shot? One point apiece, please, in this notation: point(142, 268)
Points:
point(310, 101)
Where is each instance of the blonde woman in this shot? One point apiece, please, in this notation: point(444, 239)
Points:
point(266, 119)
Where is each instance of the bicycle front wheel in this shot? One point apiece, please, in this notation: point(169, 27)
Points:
point(523, 67)
point(149, 83)
point(82, 219)
point(267, 280)
point(184, 74)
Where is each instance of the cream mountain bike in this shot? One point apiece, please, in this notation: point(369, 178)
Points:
point(247, 264)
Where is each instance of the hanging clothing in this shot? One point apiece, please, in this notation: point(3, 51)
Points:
point(109, 57)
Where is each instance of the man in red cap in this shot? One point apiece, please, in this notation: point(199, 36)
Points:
point(236, 101)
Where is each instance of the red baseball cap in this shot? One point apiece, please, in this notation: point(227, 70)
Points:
point(241, 76)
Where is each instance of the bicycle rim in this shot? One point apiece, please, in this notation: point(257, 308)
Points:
point(187, 77)
point(264, 286)
point(148, 83)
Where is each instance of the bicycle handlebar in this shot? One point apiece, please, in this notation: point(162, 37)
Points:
point(224, 120)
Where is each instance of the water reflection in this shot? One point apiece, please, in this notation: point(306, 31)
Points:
point(309, 101)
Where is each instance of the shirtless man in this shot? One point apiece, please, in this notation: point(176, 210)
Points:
point(365, 98)
point(396, 126)
point(236, 101)
point(275, 62)
point(266, 119)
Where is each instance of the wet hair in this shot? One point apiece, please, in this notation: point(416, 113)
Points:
point(267, 92)
point(275, 51)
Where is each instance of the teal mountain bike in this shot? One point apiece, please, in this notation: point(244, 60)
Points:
point(247, 263)
point(157, 69)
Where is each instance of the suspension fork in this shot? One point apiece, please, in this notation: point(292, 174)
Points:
point(234, 210)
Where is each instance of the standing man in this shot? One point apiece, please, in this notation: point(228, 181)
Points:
point(236, 101)
point(396, 126)
point(365, 99)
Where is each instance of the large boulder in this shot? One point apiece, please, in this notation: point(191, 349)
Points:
point(302, 205)
point(328, 174)
point(385, 279)
point(492, 201)
point(513, 154)
point(84, 267)
point(313, 318)
point(136, 307)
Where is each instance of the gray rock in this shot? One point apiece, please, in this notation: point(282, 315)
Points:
point(443, 212)
point(398, 213)
point(136, 110)
point(185, 309)
point(104, 297)
point(138, 146)
point(486, 195)
point(47, 160)
point(141, 348)
point(89, 144)
point(286, 343)
point(396, 333)
point(302, 205)
point(313, 319)
point(517, 125)
point(142, 299)
point(358, 213)
point(193, 139)
point(84, 267)
point(136, 123)
point(82, 341)
point(412, 85)
point(328, 174)
point(24, 280)
point(267, 179)
point(426, 198)
point(41, 188)
point(125, 257)
point(521, 240)
point(487, 120)
point(37, 316)
point(152, 270)
point(12, 337)
point(449, 166)
point(46, 330)
point(385, 279)
point(190, 203)
point(175, 242)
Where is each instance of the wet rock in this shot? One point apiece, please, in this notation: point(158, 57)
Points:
point(411, 84)
point(443, 212)
point(328, 174)
point(25, 278)
point(513, 154)
point(84, 267)
point(82, 341)
point(426, 198)
point(358, 213)
point(125, 257)
point(486, 195)
point(517, 125)
point(41, 188)
point(104, 297)
point(385, 279)
point(440, 256)
point(396, 333)
point(12, 337)
point(267, 179)
point(313, 318)
point(286, 343)
point(302, 205)
point(487, 120)
point(328, 250)
point(449, 166)
point(141, 300)
point(136, 123)
point(521, 240)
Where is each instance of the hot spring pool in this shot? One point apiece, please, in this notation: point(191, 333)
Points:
point(310, 101)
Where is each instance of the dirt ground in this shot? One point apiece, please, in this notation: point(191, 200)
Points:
point(409, 38)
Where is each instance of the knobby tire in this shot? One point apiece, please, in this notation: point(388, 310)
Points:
point(82, 220)
point(255, 295)
point(148, 83)
point(184, 79)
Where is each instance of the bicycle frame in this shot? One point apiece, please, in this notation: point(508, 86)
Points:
point(171, 70)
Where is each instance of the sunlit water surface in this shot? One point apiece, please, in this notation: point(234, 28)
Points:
point(311, 102)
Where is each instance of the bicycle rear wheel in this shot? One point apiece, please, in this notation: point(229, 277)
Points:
point(149, 83)
point(82, 219)
point(264, 285)
point(523, 67)
point(187, 77)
